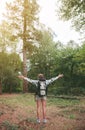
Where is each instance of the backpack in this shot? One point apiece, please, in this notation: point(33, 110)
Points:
point(42, 89)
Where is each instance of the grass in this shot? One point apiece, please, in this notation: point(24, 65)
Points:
point(63, 102)
point(68, 108)
point(18, 100)
point(9, 126)
point(28, 100)
point(21, 100)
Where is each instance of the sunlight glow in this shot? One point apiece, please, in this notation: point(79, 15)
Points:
point(63, 30)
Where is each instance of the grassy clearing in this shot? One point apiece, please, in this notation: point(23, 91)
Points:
point(26, 100)
point(59, 102)
point(18, 100)
point(70, 109)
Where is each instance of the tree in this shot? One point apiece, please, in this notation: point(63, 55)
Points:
point(43, 57)
point(9, 65)
point(3, 65)
point(73, 10)
point(22, 17)
point(7, 42)
point(80, 58)
point(72, 64)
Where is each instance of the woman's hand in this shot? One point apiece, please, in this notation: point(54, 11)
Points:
point(21, 77)
point(60, 75)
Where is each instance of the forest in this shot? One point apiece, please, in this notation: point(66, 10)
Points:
point(27, 46)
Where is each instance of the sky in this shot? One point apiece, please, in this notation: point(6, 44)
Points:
point(48, 16)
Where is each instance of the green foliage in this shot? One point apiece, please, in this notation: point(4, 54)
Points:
point(7, 42)
point(9, 126)
point(19, 100)
point(52, 59)
point(22, 17)
point(10, 64)
point(80, 59)
point(44, 55)
point(74, 10)
point(60, 102)
point(71, 64)
point(43, 58)
point(77, 91)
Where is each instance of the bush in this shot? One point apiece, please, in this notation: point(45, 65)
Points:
point(77, 91)
point(60, 90)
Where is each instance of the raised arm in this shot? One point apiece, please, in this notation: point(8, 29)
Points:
point(28, 79)
point(53, 79)
point(60, 76)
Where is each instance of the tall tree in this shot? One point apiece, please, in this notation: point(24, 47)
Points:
point(6, 40)
point(43, 58)
point(22, 17)
point(73, 10)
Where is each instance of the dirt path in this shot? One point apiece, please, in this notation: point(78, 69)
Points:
point(22, 119)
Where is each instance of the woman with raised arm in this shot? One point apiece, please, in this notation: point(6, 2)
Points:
point(41, 92)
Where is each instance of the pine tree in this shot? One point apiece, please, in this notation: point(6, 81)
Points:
point(22, 17)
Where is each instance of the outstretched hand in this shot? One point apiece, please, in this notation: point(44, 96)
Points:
point(60, 75)
point(21, 76)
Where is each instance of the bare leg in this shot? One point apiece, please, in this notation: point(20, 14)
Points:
point(44, 108)
point(38, 108)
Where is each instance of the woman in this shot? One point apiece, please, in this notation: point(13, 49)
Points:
point(41, 93)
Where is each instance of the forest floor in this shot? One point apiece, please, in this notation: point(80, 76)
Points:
point(18, 112)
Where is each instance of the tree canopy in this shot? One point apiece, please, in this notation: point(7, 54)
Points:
point(73, 10)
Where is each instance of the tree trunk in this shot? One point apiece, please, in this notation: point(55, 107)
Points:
point(10, 91)
point(25, 85)
point(0, 88)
